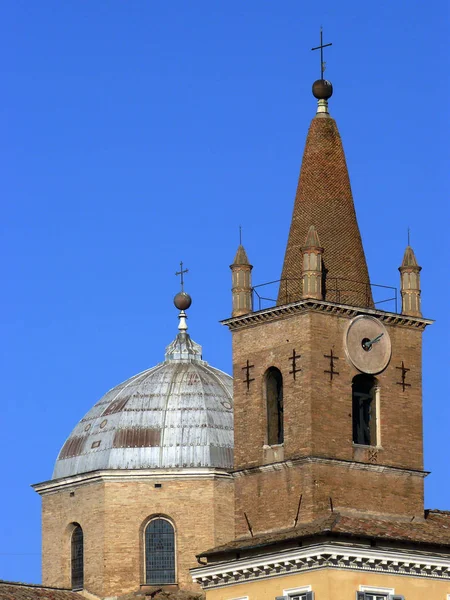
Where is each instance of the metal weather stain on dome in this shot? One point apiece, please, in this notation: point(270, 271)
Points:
point(178, 414)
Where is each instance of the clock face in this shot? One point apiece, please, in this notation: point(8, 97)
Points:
point(368, 345)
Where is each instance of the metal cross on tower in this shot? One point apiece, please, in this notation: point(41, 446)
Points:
point(295, 369)
point(321, 47)
point(331, 371)
point(248, 379)
point(404, 371)
point(181, 273)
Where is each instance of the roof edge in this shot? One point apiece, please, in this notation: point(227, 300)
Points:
point(104, 475)
point(282, 310)
point(35, 585)
point(319, 554)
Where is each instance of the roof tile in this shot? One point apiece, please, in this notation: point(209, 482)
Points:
point(434, 529)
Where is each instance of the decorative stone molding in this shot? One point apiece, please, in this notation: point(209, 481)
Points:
point(122, 475)
point(288, 464)
point(332, 556)
point(280, 312)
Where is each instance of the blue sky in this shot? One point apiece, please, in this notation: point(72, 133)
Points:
point(136, 134)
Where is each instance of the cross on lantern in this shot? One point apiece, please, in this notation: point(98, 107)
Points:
point(331, 370)
point(248, 379)
point(294, 363)
point(181, 272)
point(404, 370)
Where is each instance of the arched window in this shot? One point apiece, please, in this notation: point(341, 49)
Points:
point(77, 559)
point(159, 552)
point(364, 410)
point(274, 400)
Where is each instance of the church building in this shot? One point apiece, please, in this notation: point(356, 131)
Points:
point(316, 492)
point(329, 482)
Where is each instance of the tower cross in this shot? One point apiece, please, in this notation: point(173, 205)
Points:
point(248, 379)
point(404, 371)
point(331, 371)
point(181, 273)
point(321, 47)
point(294, 358)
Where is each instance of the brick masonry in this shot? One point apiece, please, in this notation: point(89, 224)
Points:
point(318, 423)
point(113, 516)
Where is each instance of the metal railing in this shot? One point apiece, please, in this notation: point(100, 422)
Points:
point(336, 289)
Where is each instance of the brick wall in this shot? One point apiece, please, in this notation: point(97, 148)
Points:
point(318, 420)
point(113, 516)
point(270, 498)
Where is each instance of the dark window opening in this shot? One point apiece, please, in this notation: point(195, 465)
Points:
point(159, 552)
point(274, 399)
point(373, 596)
point(77, 559)
point(364, 410)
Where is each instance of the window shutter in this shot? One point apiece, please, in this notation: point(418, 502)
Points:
point(309, 596)
point(360, 595)
point(281, 598)
point(396, 597)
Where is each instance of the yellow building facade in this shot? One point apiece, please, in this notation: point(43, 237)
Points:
point(339, 585)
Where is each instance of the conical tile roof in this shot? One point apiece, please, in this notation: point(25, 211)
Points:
point(312, 238)
point(409, 258)
point(324, 198)
point(241, 257)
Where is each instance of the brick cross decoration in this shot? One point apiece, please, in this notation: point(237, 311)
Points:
point(294, 357)
point(248, 379)
point(331, 371)
point(404, 370)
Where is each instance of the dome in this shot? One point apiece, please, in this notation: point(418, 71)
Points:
point(177, 414)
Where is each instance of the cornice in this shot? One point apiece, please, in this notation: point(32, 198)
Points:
point(302, 306)
point(329, 555)
point(123, 475)
point(288, 464)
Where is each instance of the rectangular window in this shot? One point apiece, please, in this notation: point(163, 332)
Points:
point(303, 593)
point(371, 593)
point(365, 411)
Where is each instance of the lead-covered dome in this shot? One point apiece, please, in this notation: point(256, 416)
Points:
point(177, 414)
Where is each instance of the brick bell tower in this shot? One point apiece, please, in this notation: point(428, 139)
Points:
point(327, 387)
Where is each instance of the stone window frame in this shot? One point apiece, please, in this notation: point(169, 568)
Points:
point(144, 526)
point(298, 590)
point(387, 592)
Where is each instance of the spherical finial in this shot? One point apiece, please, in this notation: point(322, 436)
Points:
point(182, 301)
point(322, 89)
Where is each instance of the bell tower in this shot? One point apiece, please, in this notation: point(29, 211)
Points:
point(327, 386)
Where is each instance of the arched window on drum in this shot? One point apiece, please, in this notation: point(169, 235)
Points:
point(77, 558)
point(159, 552)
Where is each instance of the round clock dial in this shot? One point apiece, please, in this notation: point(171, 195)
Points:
point(368, 345)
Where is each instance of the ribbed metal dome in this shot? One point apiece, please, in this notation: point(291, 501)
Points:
point(177, 414)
